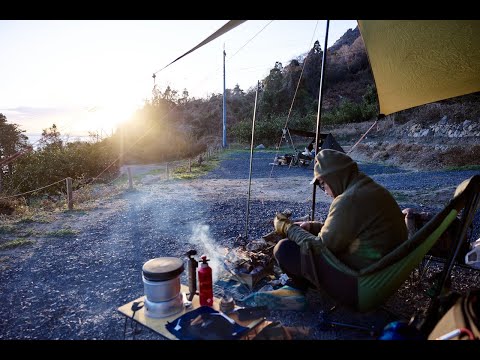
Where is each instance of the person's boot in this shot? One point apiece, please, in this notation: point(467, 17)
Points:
point(285, 298)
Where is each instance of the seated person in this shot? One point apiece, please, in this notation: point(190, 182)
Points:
point(309, 150)
point(364, 223)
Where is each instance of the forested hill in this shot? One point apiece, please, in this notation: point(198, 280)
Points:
point(349, 95)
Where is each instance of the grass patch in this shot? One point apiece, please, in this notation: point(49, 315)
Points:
point(183, 172)
point(27, 233)
point(6, 229)
point(30, 219)
point(3, 263)
point(26, 220)
point(465, 167)
point(120, 180)
point(157, 171)
point(62, 232)
point(75, 212)
point(15, 243)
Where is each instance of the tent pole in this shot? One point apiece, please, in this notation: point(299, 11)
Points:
point(251, 162)
point(319, 112)
point(224, 103)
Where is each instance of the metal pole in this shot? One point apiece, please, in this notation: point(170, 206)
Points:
point(319, 113)
point(251, 162)
point(224, 103)
point(130, 179)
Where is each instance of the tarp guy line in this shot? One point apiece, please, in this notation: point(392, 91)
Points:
point(225, 28)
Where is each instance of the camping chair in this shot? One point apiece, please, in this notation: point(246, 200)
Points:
point(369, 288)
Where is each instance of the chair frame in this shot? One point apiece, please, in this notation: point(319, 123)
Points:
point(369, 288)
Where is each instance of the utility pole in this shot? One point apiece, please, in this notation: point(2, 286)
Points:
point(224, 103)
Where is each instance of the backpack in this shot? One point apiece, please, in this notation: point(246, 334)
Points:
point(416, 220)
point(460, 320)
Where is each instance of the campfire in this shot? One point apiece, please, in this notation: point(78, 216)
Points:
point(253, 261)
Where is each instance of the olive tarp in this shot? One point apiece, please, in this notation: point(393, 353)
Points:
point(415, 62)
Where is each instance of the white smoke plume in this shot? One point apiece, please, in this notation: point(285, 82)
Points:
point(205, 245)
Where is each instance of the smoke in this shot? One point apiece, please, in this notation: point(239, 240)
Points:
point(205, 245)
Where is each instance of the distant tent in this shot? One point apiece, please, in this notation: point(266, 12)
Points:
point(327, 141)
point(330, 143)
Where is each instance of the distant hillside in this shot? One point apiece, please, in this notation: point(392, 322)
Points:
point(288, 94)
point(347, 39)
point(348, 72)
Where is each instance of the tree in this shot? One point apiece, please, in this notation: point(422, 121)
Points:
point(312, 70)
point(12, 141)
point(237, 91)
point(51, 139)
point(184, 98)
point(272, 102)
point(170, 95)
point(12, 138)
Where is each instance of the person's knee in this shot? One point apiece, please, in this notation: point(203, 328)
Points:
point(287, 255)
point(280, 248)
point(285, 251)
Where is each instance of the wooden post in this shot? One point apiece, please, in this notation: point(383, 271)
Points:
point(122, 147)
point(189, 165)
point(167, 170)
point(130, 180)
point(69, 194)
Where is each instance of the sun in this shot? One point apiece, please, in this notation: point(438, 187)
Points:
point(104, 119)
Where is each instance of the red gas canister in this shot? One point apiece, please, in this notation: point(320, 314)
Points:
point(205, 285)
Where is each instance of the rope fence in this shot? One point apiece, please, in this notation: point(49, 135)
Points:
point(115, 186)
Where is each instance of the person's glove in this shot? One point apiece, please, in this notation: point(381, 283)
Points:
point(281, 223)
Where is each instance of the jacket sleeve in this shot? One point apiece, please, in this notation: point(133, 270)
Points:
point(300, 235)
point(337, 233)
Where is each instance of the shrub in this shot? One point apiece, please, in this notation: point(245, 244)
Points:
point(6, 207)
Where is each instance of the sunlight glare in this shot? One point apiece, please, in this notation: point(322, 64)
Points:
point(104, 119)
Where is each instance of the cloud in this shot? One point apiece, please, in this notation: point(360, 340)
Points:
point(34, 119)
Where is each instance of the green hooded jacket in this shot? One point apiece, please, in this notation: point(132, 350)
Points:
point(364, 221)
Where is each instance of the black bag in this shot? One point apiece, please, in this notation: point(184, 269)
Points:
point(461, 319)
point(205, 323)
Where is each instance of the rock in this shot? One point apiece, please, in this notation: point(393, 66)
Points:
point(443, 121)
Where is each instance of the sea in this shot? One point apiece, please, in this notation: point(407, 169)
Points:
point(33, 139)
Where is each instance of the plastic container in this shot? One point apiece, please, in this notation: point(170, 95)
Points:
point(473, 256)
point(205, 284)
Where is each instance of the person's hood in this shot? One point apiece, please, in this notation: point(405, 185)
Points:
point(336, 168)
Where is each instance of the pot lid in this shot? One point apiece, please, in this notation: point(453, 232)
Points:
point(162, 269)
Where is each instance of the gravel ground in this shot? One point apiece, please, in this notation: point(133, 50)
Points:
point(69, 287)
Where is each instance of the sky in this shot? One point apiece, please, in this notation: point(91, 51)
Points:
point(87, 76)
